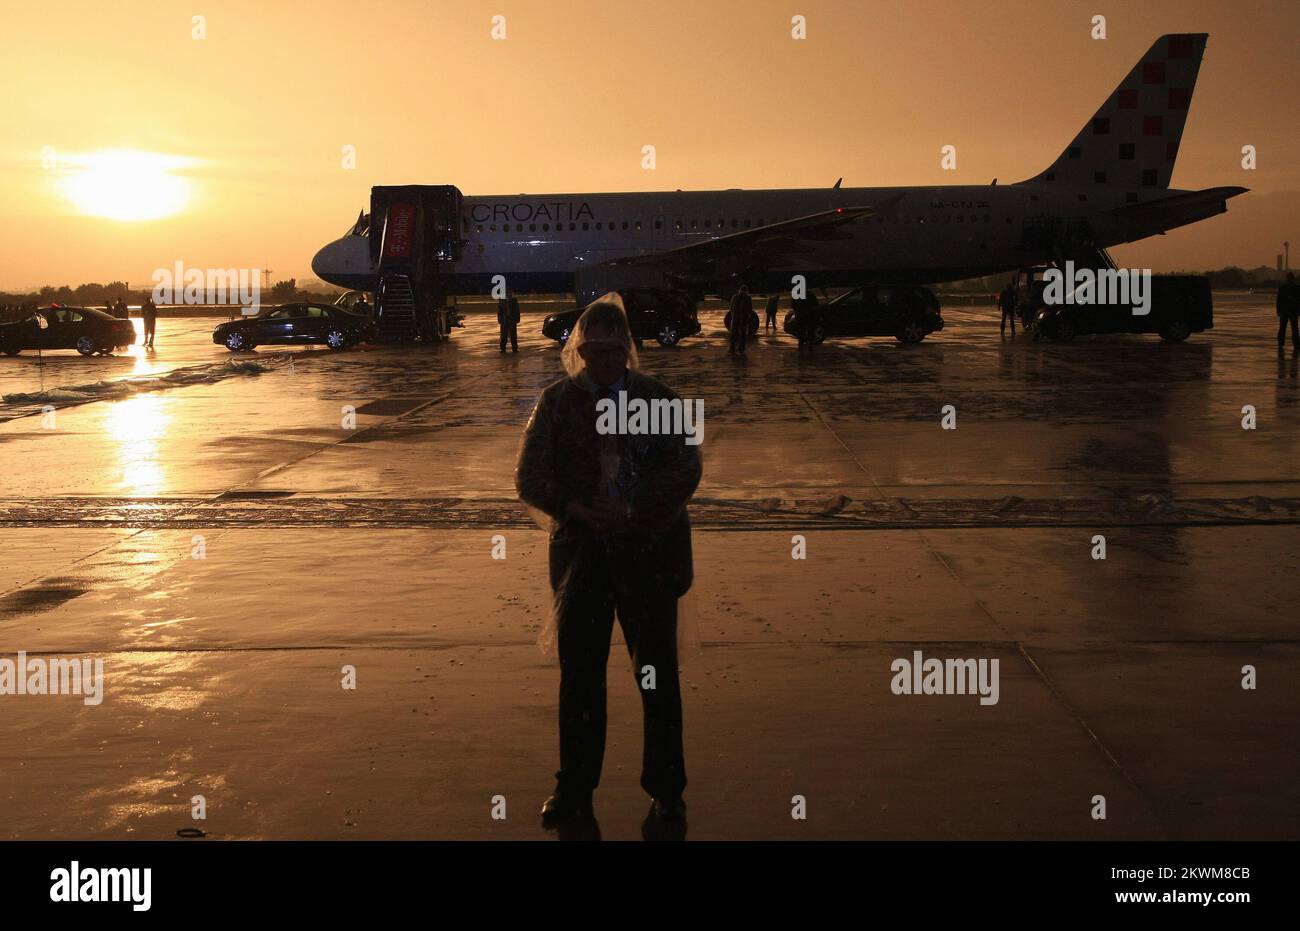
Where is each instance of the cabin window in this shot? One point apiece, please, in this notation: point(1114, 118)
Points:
point(586, 226)
point(706, 224)
point(625, 225)
point(638, 226)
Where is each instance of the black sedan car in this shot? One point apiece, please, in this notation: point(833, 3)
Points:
point(295, 323)
point(666, 316)
point(905, 312)
point(84, 329)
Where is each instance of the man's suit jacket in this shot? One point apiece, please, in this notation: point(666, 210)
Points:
point(559, 462)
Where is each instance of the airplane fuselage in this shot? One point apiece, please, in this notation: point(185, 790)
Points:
point(925, 235)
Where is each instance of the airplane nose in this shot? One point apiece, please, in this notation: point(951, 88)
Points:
point(346, 263)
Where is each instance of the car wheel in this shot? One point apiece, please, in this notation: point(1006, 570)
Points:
point(912, 332)
point(238, 342)
point(1176, 331)
point(336, 340)
point(11, 350)
point(668, 335)
point(564, 335)
point(1064, 330)
point(87, 346)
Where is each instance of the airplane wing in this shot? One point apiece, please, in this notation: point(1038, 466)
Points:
point(708, 258)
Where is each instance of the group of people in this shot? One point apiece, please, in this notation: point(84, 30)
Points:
point(806, 310)
point(12, 312)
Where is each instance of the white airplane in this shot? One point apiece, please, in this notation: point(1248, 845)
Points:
point(1109, 186)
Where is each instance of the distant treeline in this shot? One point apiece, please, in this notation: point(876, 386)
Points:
point(94, 294)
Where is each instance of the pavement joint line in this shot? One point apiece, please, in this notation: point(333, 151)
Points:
point(103, 549)
point(292, 462)
point(1055, 692)
point(1097, 742)
point(1029, 660)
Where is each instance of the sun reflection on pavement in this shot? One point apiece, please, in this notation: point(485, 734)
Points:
point(137, 426)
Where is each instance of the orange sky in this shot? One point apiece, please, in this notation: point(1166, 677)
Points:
point(264, 105)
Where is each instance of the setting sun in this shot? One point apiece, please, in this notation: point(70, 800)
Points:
point(127, 185)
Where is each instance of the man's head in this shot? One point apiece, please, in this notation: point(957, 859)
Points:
point(601, 343)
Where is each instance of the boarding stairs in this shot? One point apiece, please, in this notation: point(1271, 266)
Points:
point(396, 320)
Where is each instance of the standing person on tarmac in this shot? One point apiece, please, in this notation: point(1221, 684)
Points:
point(119, 309)
point(742, 305)
point(1288, 311)
point(149, 313)
point(1007, 304)
point(620, 546)
point(769, 313)
point(508, 320)
point(807, 316)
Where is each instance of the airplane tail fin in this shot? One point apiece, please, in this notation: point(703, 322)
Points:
point(1132, 141)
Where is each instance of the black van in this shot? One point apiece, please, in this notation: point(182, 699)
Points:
point(1180, 306)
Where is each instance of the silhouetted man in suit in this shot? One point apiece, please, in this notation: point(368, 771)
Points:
point(769, 314)
point(620, 544)
point(807, 316)
point(742, 305)
point(1288, 309)
point(508, 320)
point(1007, 304)
point(149, 313)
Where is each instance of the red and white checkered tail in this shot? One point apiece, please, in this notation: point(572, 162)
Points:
point(1132, 141)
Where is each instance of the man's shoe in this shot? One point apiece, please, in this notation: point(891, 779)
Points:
point(668, 810)
point(561, 807)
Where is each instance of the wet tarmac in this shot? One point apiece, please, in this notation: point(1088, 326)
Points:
point(324, 546)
